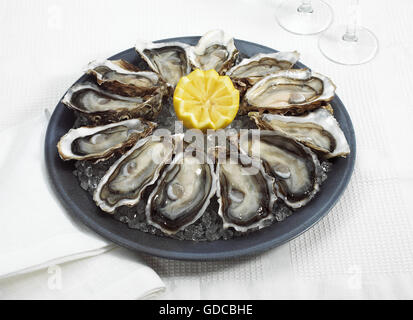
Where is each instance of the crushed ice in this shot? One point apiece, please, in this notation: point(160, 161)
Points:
point(209, 227)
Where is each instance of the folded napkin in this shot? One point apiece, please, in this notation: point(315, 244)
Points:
point(36, 232)
point(116, 274)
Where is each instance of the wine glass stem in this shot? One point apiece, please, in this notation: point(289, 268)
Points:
point(305, 7)
point(351, 28)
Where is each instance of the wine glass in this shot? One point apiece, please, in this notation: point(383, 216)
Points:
point(304, 17)
point(349, 44)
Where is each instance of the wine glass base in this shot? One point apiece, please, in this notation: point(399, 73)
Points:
point(291, 19)
point(334, 48)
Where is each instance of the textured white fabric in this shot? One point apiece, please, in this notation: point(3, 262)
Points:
point(363, 248)
point(117, 274)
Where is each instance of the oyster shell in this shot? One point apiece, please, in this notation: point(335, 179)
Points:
point(215, 50)
point(101, 106)
point(318, 130)
point(296, 169)
point(245, 193)
point(251, 70)
point(169, 59)
point(289, 91)
point(124, 78)
point(183, 192)
point(101, 142)
point(128, 177)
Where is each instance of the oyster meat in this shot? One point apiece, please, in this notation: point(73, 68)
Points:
point(128, 177)
point(261, 65)
point(169, 59)
point(170, 182)
point(318, 130)
point(296, 169)
point(124, 78)
point(289, 91)
point(183, 192)
point(215, 50)
point(245, 193)
point(101, 106)
point(101, 142)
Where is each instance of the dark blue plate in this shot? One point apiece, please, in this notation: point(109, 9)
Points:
point(80, 204)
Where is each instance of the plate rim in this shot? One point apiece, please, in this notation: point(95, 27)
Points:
point(75, 211)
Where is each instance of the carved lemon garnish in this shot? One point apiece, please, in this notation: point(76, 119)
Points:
point(205, 100)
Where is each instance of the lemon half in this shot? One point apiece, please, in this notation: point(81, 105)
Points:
point(205, 100)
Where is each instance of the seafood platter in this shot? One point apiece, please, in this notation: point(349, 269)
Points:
point(202, 142)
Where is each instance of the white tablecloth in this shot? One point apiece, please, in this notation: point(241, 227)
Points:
point(364, 247)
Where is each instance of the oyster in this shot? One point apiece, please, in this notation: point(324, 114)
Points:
point(318, 130)
point(101, 106)
point(215, 50)
point(251, 70)
point(296, 169)
point(169, 59)
point(245, 193)
point(124, 78)
point(183, 192)
point(289, 91)
point(101, 142)
point(128, 177)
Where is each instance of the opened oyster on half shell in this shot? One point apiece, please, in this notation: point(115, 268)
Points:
point(124, 78)
point(214, 50)
point(169, 59)
point(296, 169)
point(182, 193)
point(250, 70)
point(291, 91)
point(125, 181)
point(245, 193)
point(101, 142)
point(318, 130)
point(102, 106)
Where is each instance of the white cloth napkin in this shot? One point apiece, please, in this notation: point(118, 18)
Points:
point(36, 232)
point(116, 274)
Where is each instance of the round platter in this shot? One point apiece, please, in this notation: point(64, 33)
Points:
point(80, 204)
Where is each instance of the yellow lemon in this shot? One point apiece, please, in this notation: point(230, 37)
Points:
point(205, 100)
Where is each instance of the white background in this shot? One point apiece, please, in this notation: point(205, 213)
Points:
point(364, 247)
